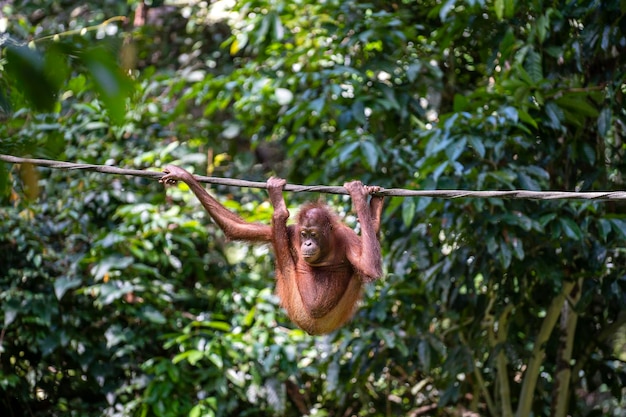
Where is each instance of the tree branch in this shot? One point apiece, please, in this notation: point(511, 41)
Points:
point(538, 354)
point(569, 318)
point(502, 362)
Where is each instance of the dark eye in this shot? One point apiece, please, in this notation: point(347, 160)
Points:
point(303, 233)
point(313, 235)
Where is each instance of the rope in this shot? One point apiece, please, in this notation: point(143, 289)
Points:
point(396, 192)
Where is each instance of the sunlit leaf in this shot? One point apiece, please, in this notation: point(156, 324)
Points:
point(218, 325)
point(283, 96)
point(498, 7)
point(445, 9)
point(509, 8)
point(279, 30)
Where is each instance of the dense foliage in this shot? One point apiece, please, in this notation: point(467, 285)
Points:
point(121, 298)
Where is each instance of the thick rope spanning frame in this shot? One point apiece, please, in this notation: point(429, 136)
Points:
point(395, 192)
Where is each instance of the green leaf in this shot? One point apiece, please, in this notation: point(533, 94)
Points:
point(589, 152)
point(49, 344)
point(283, 96)
point(545, 219)
point(62, 284)
point(263, 29)
point(571, 229)
point(192, 356)
point(450, 395)
point(408, 211)
point(456, 149)
point(504, 8)
point(390, 95)
point(10, 309)
point(196, 411)
point(492, 245)
point(5, 186)
point(249, 317)
point(461, 103)
point(604, 122)
point(371, 153)
point(510, 113)
point(498, 8)
point(112, 85)
point(279, 29)
point(604, 228)
point(236, 377)
point(358, 111)
point(505, 177)
point(347, 151)
point(317, 105)
point(151, 314)
point(413, 71)
point(387, 335)
point(534, 65)
point(446, 8)
point(518, 219)
point(27, 67)
point(538, 172)
point(112, 291)
point(478, 145)
point(216, 360)
point(505, 255)
point(509, 8)
point(578, 105)
point(422, 204)
point(541, 26)
point(526, 118)
point(439, 170)
point(527, 183)
point(111, 263)
point(555, 115)
point(218, 325)
point(619, 226)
